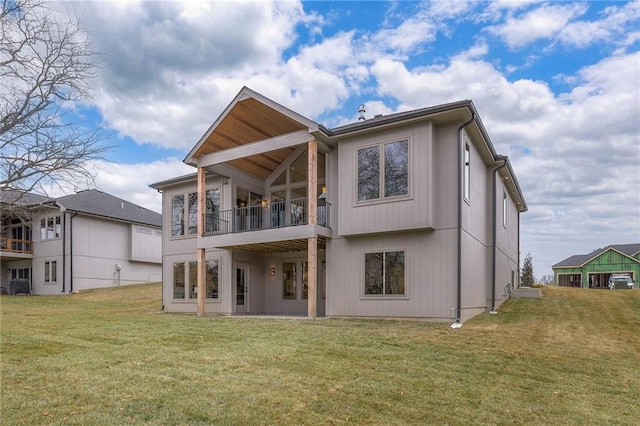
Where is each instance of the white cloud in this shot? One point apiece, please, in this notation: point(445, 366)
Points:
point(576, 154)
point(541, 23)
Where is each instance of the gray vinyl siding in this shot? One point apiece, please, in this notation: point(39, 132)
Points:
point(98, 246)
point(445, 177)
point(49, 250)
point(386, 215)
point(430, 268)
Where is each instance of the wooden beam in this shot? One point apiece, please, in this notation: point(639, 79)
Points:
point(253, 148)
point(201, 251)
point(312, 277)
point(312, 250)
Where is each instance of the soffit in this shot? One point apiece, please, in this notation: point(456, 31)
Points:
point(279, 246)
point(250, 120)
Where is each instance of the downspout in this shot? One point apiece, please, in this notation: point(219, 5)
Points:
point(460, 183)
point(495, 232)
point(64, 246)
point(71, 251)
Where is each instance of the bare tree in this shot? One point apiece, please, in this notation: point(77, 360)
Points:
point(45, 70)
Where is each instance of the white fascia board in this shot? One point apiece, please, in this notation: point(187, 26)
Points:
point(254, 148)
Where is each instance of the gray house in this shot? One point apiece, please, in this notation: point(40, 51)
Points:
point(412, 214)
point(81, 241)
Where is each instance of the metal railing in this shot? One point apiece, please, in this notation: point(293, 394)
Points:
point(13, 245)
point(278, 214)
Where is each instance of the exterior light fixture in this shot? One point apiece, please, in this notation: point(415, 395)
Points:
point(272, 271)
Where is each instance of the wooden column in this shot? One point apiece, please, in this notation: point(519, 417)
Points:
point(202, 266)
point(312, 244)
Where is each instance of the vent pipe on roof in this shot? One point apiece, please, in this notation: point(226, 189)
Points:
point(361, 110)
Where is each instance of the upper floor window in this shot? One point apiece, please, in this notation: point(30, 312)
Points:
point(180, 226)
point(504, 209)
point(50, 228)
point(467, 172)
point(383, 171)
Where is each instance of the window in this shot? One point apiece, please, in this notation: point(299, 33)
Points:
point(192, 213)
point(182, 282)
point(178, 281)
point(289, 281)
point(295, 280)
point(212, 279)
point(179, 211)
point(50, 228)
point(467, 172)
point(177, 215)
point(384, 273)
point(51, 271)
point(504, 209)
point(383, 166)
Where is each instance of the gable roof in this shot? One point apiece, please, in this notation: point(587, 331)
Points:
point(579, 260)
point(250, 117)
point(100, 203)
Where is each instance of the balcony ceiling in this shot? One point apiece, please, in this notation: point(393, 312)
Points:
point(279, 246)
point(250, 121)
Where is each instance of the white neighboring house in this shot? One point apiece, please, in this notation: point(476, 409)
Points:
point(77, 242)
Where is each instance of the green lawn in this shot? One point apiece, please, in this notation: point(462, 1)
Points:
point(110, 357)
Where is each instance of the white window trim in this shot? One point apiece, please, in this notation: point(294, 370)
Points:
point(365, 296)
point(381, 198)
point(46, 219)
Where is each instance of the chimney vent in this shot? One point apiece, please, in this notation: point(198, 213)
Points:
point(361, 111)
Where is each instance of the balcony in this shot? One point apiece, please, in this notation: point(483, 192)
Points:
point(12, 248)
point(274, 215)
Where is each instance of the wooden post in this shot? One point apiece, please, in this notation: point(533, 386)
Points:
point(312, 244)
point(202, 267)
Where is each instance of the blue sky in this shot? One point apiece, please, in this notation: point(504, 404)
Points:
point(557, 84)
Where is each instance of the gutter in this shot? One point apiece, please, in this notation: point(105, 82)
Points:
point(457, 323)
point(495, 232)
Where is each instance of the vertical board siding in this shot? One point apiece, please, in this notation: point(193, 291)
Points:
point(403, 213)
point(430, 275)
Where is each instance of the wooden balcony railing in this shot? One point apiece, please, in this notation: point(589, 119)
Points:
point(12, 245)
point(273, 215)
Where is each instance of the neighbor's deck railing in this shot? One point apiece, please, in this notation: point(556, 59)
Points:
point(274, 215)
point(16, 246)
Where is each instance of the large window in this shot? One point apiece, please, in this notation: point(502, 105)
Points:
point(295, 280)
point(179, 211)
point(383, 171)
point(50, 272)
point(467, 172)
point(384, 273)
point(50, 228)
point(184, 279)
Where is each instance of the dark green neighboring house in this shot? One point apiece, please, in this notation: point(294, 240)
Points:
point(593, 270)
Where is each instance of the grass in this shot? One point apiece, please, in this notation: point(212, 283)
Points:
point(109, 357)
